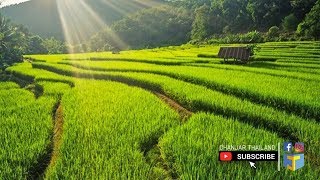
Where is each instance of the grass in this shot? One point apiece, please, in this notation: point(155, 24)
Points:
point(199, 98)
point(285, 93)
point(277, 73)
point(192, 150)
point(8, 85)
point(108, 142)
point(26, 72)
point(25, 138)
point(26, 129)
point(15, 98)
point(79, 117)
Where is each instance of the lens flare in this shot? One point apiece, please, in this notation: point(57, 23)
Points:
point(79, 22)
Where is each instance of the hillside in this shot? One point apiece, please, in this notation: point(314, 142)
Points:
point(50, 25)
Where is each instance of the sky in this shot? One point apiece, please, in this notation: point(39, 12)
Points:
point(10, 2)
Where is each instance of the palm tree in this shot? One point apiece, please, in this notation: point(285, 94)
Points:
point(12, 42)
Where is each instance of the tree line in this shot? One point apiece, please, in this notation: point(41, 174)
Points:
point(178, 22)
point(224, 21)
point(293, 18)
point(16, 40)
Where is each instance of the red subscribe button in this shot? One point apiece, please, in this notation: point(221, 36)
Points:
point(248, 156)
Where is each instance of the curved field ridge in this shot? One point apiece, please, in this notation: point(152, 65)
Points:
point(292, 95)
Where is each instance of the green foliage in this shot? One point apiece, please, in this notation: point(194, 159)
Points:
point(15, 40)
point(13, 43)
point(43, 18)
point(266, 13)
point(310, 27)
point(253, 48)
point(105, 40)
point(153, 27)
point(176, 22)
point(290, 23)
point(36, 46)
point(190, 4)
point(54, 46)
point(273, 34)
point(302, 7)
point(235, 15)
point(78, 48)
point(232, 17)
point(250, 37)
point(200, 24)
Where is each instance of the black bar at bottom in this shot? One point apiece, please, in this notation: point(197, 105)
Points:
point(248, 155)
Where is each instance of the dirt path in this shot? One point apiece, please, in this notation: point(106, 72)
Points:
point(57, 134)
point(183, 112)
point(48, 159)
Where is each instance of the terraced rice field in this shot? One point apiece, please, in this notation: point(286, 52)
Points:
point(157, 114)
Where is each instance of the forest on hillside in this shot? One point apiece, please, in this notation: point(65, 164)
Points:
point(229, 21)
point(49, 25)
point(166, 23)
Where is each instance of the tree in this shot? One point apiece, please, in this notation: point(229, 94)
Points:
point(54, 46)
point(236, 15)
point(310, 27)
point(36, 46)
point(301, 8)
point(101, 40)
point(200, 25)
point(290, 23)
point(267, 13)
point(160, 26)
point(13, 42)
point(190, 4)
point(273, 33)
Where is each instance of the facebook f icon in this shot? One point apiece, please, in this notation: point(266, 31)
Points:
point(287, 147)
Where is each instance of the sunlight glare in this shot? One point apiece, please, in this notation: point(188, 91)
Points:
point(79, 22)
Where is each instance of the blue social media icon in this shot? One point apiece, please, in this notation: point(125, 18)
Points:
point(287, 147)
point(293, 161)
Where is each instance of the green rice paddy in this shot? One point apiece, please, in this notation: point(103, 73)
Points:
point(157, 113)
